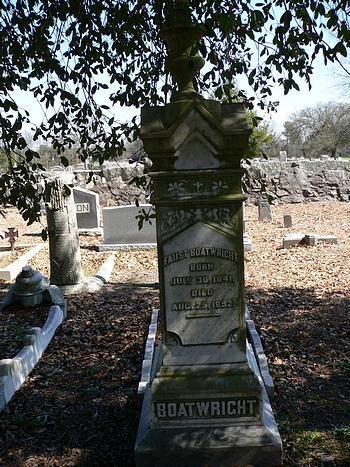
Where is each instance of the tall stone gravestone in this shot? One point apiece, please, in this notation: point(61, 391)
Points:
point(206, 403)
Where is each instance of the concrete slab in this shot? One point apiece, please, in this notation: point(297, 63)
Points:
point(260, 356)
point(292, 239)
point(309, 239)
point(106, 269)
point(313, 239)
point(148, 357)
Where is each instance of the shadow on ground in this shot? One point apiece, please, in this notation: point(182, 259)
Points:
point(306, 336)
point(78, 407)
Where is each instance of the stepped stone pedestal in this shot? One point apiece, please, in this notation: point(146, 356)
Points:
point(206, 403)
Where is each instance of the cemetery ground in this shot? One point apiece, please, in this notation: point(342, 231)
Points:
point(79, 408)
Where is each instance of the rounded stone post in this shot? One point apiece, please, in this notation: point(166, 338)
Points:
point(65, 259)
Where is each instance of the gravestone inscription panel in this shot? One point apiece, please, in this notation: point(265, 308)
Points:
point(201, 277)
point(199, 304)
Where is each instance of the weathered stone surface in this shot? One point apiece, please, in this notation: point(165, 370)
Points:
point(87, 207)
point(264, 209)
point(287, 221)
point(215, 444)
point(319, 181)
point(205, 383)
point(13, 269)
point(309, 239)
point(112, 184)
point(299, 180)
point(120, 226)
point(65, 259)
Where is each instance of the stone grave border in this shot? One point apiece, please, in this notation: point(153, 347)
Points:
point(14, 371)
point(12, 270)
point(307, 239)
point(151, 352)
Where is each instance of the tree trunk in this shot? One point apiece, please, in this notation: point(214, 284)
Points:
point(65, 259)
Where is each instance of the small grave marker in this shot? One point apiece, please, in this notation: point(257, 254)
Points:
point(283, 156)
point(12, 234)
point(264, 208)
point(287, 220)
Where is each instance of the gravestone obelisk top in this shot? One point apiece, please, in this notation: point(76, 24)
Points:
point(206, 403)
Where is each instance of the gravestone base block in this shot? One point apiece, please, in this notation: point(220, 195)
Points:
point(252, 439)
point(207, 397)
point(220, 446)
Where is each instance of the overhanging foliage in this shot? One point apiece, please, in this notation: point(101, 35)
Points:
point(69, 54)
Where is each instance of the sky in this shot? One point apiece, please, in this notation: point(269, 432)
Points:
point(323, 90)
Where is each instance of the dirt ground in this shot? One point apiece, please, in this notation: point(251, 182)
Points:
point(78, 407)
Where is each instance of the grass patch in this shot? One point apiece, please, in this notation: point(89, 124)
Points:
point(309, 448)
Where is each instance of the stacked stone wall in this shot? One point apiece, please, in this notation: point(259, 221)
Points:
point(113, 184)
point(298, 181)
point(294, 181)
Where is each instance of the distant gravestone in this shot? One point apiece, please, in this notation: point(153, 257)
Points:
point(264, 209)
point(120, 226)
point(283, 156)
point(87, 206)
point(287, 220)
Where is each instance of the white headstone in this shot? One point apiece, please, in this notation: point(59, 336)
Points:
point(121, 226)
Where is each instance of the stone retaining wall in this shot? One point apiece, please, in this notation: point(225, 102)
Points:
point(113, 184)
point(297, 181)
point(294, 181)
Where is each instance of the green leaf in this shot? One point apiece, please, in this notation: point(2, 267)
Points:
point(44, 234)
point(66, 190)
point(64, 161)
point(340, 48)
point(286, 18)
point(257, 19)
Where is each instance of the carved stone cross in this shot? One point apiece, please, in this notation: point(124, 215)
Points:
point(12, 234)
